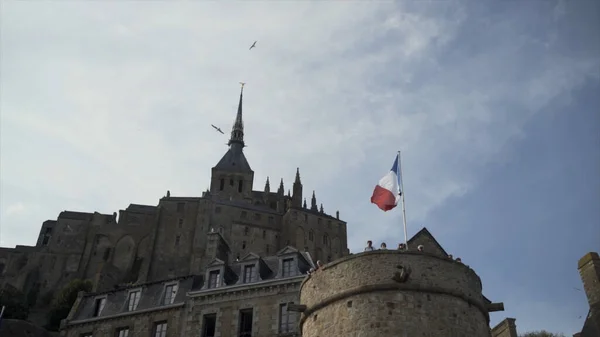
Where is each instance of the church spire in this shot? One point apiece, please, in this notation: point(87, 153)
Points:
point(237, 131)
point(267, 186)
point(313, 202)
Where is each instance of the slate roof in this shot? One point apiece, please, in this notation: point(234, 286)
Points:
point(234, 160)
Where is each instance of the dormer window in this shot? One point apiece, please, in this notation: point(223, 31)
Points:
point(249, 273)
point(99, 306)
point(288, 268)
point(170, 293)
point(213, 279)
point(134, 300)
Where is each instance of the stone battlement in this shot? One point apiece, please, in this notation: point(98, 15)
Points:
point(394, 293)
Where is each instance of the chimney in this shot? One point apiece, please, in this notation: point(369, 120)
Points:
point(589, 270)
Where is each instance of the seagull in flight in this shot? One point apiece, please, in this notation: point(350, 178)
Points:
point(218, 129)
point(253, 45)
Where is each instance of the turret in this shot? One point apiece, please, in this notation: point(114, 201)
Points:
point(297, 187)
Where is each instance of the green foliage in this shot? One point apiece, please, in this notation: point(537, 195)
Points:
point(15, 303)
point(63, 301)
point(542, 333)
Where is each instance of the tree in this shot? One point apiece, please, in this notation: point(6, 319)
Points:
point(64, 300)
point(15, 303)
point(542, 333)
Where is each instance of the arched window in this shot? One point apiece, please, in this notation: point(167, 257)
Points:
point(325, 240)
point(310, 235)
point(240, 186)
point(222, 184)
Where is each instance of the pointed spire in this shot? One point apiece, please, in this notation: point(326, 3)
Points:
point(297, 181)
point(267, 186)
point(313, 202)
point(321, 210)
point(237, 131)
point(281, 189)
point(304, 203)
point(337, 215)
point(289, 193)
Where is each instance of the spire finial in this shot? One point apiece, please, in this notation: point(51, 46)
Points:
point(297, 181)
point(313, 202)
point(237, 131)
point(321, 210)
point(267, 186)
point(281, 189)
point(304, 203)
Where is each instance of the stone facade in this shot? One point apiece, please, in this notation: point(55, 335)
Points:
point(398, 293)
point(589, 270)
point(145, 244)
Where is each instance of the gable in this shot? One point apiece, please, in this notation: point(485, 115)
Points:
point(287, 250)
point(430, 244)
point(250, 257)
point(216, 262)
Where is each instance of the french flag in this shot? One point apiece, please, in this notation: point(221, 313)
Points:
point(387, 192)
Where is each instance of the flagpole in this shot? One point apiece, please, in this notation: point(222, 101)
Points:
point(402, 195)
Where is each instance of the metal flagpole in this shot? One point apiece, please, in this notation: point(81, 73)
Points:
point(402, 196)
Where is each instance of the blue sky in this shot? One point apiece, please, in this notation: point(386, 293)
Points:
point(494, 105)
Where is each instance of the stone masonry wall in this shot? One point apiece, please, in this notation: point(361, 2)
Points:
point(363, 295)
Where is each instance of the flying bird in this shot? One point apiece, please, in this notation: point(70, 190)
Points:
point(253, 45)
point(218, 129)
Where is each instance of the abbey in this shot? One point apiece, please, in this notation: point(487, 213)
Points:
point(257, 243)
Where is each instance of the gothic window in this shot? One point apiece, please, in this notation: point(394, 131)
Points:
point(209, 325)
point(325, 240)
point(222, 184)
point(245, 324)
point(310, 235)
point(134, 300)
point(287, 319)
point(288, 269)
point(122, 332)
point(213, 279)
point(249, 274)
point(160, 329)
point(170, 292)
point(240, 186)
point(99, 305)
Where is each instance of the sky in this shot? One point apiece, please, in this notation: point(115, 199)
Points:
point(494, 106)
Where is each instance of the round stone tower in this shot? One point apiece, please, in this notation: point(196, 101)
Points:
point(390, 293)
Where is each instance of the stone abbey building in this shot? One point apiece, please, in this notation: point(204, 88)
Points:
point(237, 255)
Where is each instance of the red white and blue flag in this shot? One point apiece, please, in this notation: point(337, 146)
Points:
point(387, 193)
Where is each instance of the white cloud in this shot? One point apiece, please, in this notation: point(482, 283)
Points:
point(15, 209)
point(115, 101)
